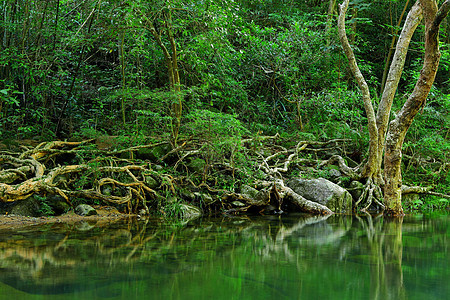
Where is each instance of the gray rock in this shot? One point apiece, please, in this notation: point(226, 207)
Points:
point(189, 211)
point(151, 182)
point(28, 207)
point(205, 198)
point(85, 210)
point(197, 165)
point(58, 204)
point(335, 175)
point(256, 197)
point(324, 192)
point(248, 191)
point(187, 195)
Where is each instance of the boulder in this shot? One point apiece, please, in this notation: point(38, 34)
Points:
point(323, 192)
point(85, 210)
point(255, 197)
point(28, 208)
point(58, 204)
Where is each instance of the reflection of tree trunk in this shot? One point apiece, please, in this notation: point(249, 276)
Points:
point(393, 251)
point(386, 270)
point(285, 232)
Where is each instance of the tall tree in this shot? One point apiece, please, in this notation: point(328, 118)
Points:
point(378, 125)
point(159, 21)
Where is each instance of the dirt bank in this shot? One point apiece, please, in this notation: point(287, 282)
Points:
point(106, 215)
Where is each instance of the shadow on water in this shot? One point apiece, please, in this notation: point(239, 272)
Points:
point(282, 257)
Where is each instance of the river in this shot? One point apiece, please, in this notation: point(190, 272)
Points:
point(254, 257)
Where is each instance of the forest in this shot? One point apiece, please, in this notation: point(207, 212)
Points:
point(182, 107)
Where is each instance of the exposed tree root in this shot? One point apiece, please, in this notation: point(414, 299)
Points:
point(286, 194)
point(422, 190)
point(371, 194)
point(273, 196)
point(74, 170)
point(353, 173)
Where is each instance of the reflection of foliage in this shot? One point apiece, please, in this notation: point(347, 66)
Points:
point(273, 253)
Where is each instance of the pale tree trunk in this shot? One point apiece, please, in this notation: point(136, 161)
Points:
point(395, 71)
point(370, 167)
point(388, 58)
point(378, 126)
point(400, 125)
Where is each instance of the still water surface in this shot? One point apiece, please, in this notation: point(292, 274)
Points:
point(283, 257)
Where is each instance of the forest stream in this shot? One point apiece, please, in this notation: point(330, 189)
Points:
point(293, 256)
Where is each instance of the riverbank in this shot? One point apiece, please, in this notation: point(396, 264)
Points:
point(105, 215)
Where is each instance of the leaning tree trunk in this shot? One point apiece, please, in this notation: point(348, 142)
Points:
point(413, 19)
point(372, 163)
point(400, 125)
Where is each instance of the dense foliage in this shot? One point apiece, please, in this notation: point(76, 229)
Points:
point(91, 68)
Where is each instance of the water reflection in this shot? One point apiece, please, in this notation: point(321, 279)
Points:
point(384, 241)
point(295, 257)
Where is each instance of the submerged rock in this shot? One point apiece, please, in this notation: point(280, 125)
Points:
point(85, 210)
point(324, 192)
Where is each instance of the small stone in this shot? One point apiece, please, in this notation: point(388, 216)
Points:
point(197, 165)
point(85, 210)
point(334, 174)
point(151, 182)
point(249, 191)
point(143, 212)
point(206, 198)
point(190, 211)
point(356, 189)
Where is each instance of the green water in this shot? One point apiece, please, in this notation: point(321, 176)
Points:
point(282, 257)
